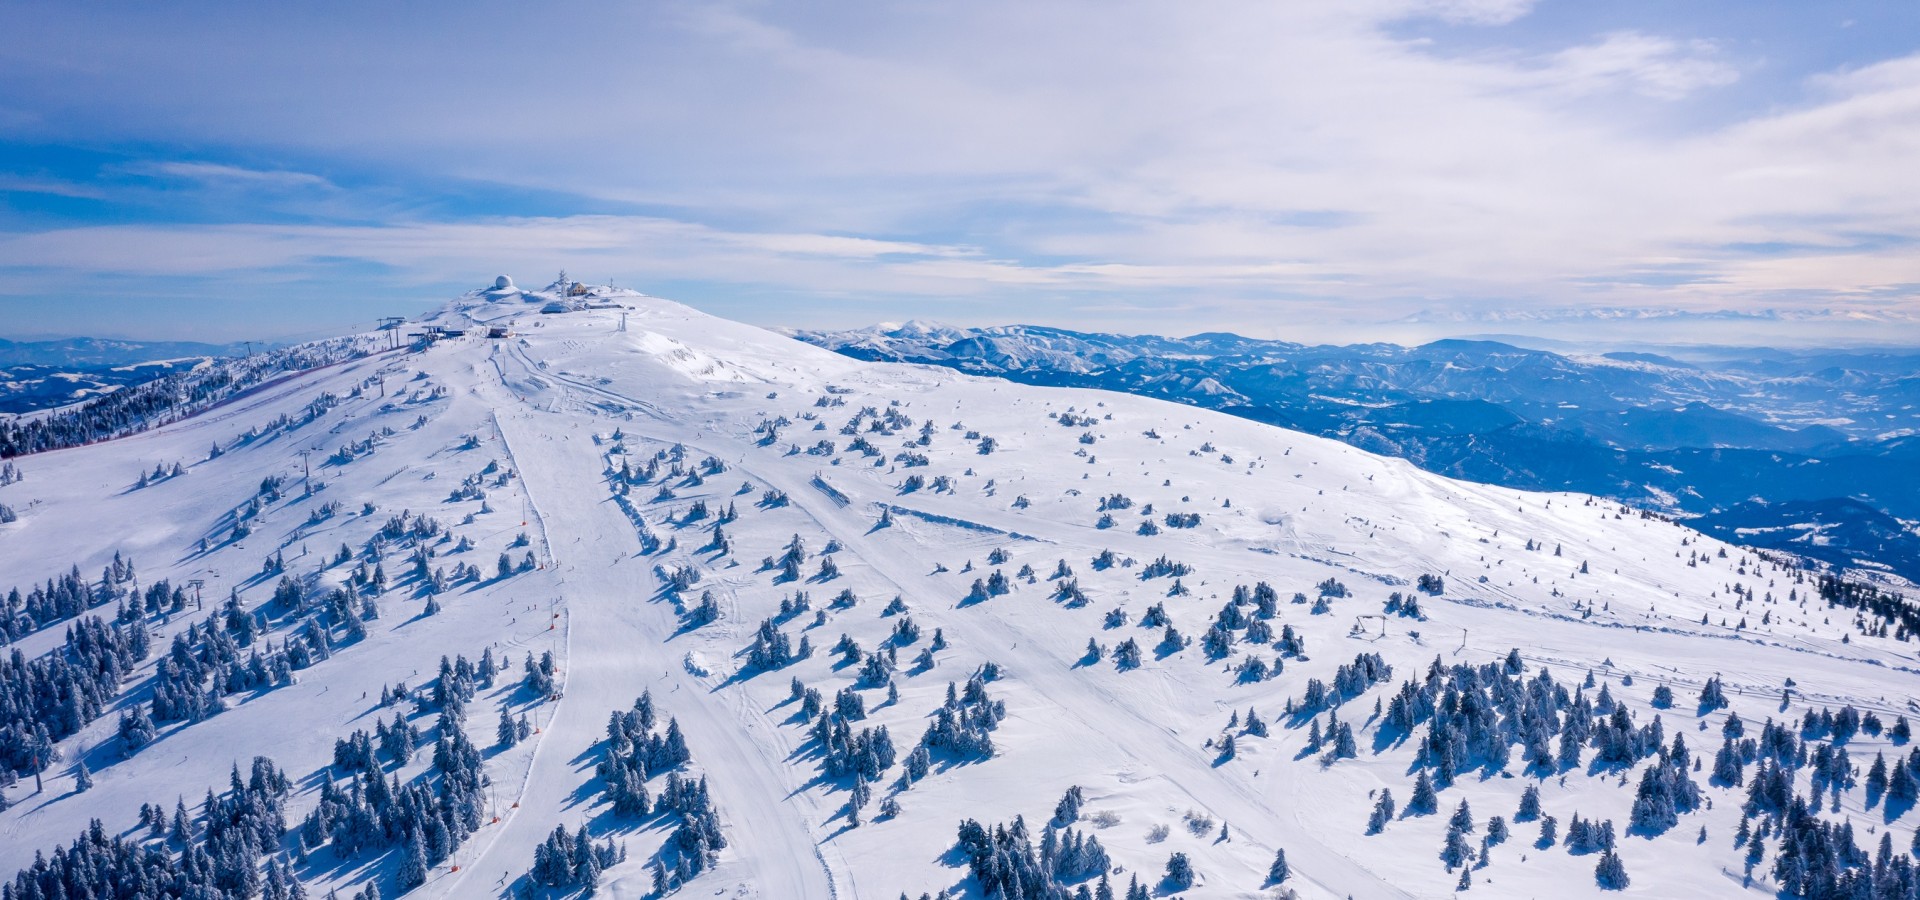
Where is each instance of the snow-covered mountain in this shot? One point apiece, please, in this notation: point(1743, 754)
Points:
point(1724, 436)
point(37, 375)
point(899, 630)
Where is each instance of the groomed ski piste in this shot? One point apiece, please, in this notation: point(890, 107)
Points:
point(596, 448)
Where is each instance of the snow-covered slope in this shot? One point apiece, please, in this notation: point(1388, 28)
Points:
point(597, 433)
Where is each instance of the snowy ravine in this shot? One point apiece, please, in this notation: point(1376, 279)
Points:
point(1030, 590)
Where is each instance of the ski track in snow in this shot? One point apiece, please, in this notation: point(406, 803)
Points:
point(608, 607)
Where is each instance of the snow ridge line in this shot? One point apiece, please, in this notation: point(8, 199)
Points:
point(833, 493)
point(1668, 629)
point(1388, 580)
point(967, 524)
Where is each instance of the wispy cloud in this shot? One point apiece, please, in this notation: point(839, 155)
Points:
point(1648, 64)
point(50, 186)
point(220, 173)
point(1260, 160)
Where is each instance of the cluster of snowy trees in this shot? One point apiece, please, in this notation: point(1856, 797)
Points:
point(994, 585)
point(570, 859)
point(677, 469)
point(1474, 715)
point(1264, 599)
point(204, 665)
point(459, 680)
point(1819, 859)
point(424, 819)
point(773, 649)
point(360, 752)
point(63, 598)
point(1068, 591)
point(352, 450)
point(541, 677)
point(227, 852)
point(50, 698)
point(1007, 863)
point(1220, 636)
point(1815, 857)
point(964, 724)
point(1159, 568)
point(161, 472)
point(159, 599)
point(789, 561)
point(45, 700)
point(1407, 606)
point(422, 535)
point(668, 468)
point(368, 807)
point(1349, 681)
point(218, 658)
point(634, 752)
point(863, 755)
point(887, 423)
point(1232, 625)
point(1886, 608)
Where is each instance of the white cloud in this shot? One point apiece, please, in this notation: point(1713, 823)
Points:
point(1249, 152)
point(1648, 64)
point(1476, 12)
point(438, 250)
point(49, 186)
point(217, 173)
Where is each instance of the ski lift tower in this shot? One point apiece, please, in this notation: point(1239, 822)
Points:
point(392, 325)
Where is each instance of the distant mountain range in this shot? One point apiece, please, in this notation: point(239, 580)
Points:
point(86, 351)
point(43, 374)
point(1809, 451)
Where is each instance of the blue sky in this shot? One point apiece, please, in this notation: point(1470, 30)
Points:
point(1373, 169)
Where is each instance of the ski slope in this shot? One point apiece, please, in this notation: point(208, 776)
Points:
point(569, 398)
